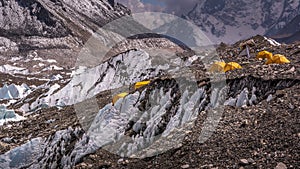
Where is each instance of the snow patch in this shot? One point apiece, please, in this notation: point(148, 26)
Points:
point(42, 60)
point(272, 41)
point(51, 61)
point(9, 69)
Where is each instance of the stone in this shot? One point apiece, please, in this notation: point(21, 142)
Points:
point(185, 166)
point(281, 166)
point(83, 165)
point(120, 160)
point(250, 160)
point(244, 161)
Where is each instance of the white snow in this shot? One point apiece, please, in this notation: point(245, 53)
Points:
point(9, 69)
point(78, 71)
point(272, 41)
point(13, 59)
point(122, 70)
point(34, 78)
point(38, 59)
point(51, 61)
point(41, 64)
point(43, 60)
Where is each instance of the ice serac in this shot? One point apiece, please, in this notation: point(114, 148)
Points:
point(13, 91)
point(151, 129)
point(7, 115)
point(230, 21)
point(41, 152)
point(122, 70)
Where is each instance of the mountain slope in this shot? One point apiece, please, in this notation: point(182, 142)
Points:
point(57, 24)
point(230, 21)
point(290, 32)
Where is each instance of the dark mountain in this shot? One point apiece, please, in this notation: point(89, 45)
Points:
point(229, 21)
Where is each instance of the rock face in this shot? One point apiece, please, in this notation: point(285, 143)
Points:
point(290, 33)
point(44, 24)
point(29, 18)
point(229, 21)
point(37, 17)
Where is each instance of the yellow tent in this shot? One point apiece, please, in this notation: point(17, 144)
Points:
point(264, 55)
point(118, 96)
point(231, 66)
point(279, 59)
point(217, 67)
point(141, 84)
point(272, 59)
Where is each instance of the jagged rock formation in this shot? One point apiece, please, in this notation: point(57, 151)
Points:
point(230, 21)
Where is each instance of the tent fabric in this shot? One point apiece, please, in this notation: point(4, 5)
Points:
point(264, 55)
point(272, 59)
point(141, 84)
point(279, 59)
point(232, 66)
point(119, 96)
point(224, 67)
point(217, 67)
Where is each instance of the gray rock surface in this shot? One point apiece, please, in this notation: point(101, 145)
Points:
point(231, 20)
point(60, 24)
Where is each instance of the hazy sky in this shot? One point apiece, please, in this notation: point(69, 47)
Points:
point(177, 7)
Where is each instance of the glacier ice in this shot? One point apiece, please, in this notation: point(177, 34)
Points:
point(108, 129)
point(8, 115)
point(123, 70)
point(13, 91)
